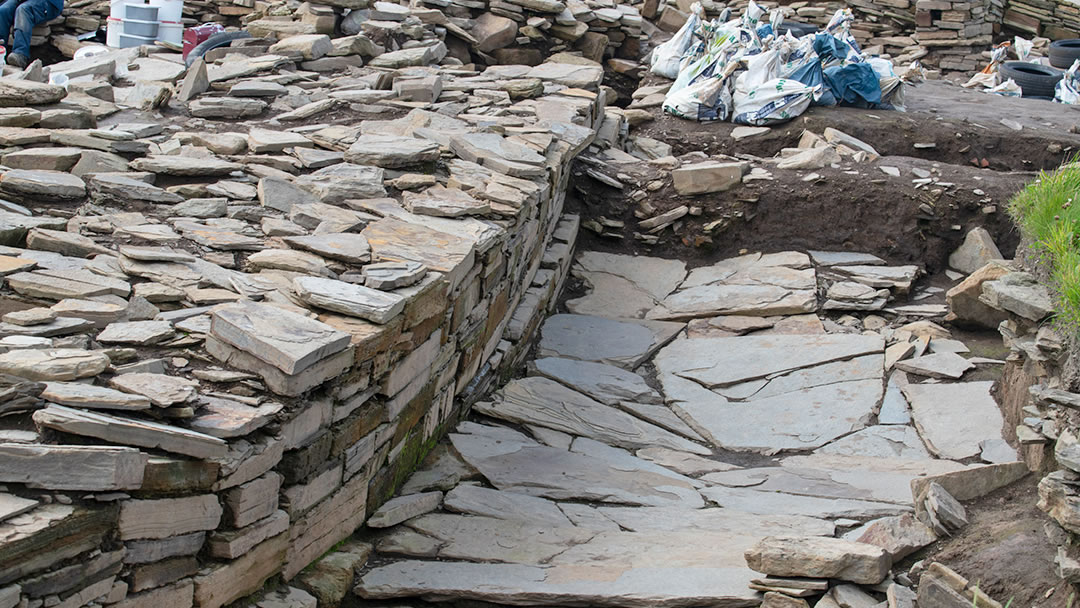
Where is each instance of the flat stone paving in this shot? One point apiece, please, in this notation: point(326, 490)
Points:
point(606, 476)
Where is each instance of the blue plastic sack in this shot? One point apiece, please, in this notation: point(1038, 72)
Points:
point(812, 75)
point(830, 48)
point(854, 84)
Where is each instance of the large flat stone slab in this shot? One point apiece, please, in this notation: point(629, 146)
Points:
point(624, 343)
point(832, 476)
point(800, 420)
point(717, 362)
point(605, 383)
point(624, 286)
point(954, 419)
point(284, 339)
point(514, 463)
point(564, 585)
point(547, 403)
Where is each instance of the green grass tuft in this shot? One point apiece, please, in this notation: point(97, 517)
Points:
point(1048, 213)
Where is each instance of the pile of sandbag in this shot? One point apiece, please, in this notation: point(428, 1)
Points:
point(746, 71)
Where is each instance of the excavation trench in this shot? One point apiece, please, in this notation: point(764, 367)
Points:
point(885, 208)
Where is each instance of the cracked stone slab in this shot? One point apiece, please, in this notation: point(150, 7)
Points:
point(937, 365)
point(751, 300)
point(726, 361)
point(478, 500)
point(882, 441)
point(800, 420)
point(487, 539)
point(604, 383)
point(840, 477)
point(623, 343)
point(954, 419)
point(656, 586)
point(776, 503)
point(624, 286)
point(547, 403)
point(523, 466)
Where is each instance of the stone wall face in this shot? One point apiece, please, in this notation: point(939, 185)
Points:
point(351, 404)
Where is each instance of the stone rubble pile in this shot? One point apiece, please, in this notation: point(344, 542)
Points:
point(242, 299)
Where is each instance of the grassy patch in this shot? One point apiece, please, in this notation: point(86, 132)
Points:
point(1048, 213)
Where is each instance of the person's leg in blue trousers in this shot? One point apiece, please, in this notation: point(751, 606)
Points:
point(27, 15)
point(7, 18)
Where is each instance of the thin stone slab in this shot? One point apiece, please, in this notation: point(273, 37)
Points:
point(347, 247)
point(487, 539)
point(780, 504)
point(725, 361)
point(845, 258)
point(523, 585)
point(131, 432)
point(544, 402)
point(883, 441)
point(834, 476)
point(954, 419)
point(753, 300)
point(89, 396)
point(403, 508)
point(349, 299)
point(682, 462)
point(10, 506)
point(226, 418)
point(396, 240)
point(526, 467)
point(184, 166)
point(137, 332)
point(865, 367)
point(160, 389)
point(624, 286)
point(816, 557)
point(714, 521)
point(392, 275)
point(440, 201)
point(284, 339)
point(799, 420)
point(937, 365)
point(61, 364)
point(624, 343)
point(477, 500)
point(391, 151)
point(72, 467)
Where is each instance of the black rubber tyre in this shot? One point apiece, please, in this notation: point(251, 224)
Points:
point(1064, 52)
point(1034, 80)
point(213, 42)
point(797, 29)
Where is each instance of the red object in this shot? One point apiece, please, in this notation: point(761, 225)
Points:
point(193, 36)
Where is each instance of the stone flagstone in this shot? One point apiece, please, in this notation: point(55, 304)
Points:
point(525, 467)
point(624, 286)
point(726, 361)
point(477, 500)
point(624, 343)
point(547, 403)
point(954, 419)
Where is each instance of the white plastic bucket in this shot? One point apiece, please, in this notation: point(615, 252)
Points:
point(173, 33)
point(167, 10)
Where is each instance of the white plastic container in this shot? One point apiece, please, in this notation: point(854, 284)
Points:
point(143, 29)
point(116, 37)
point(141, 12)
point(173, 33)
point(167, 10)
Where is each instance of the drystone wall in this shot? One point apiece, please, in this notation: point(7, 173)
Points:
point(285, 415)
